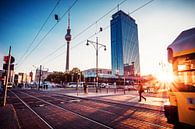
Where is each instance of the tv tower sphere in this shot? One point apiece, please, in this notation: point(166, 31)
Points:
point(68, 35)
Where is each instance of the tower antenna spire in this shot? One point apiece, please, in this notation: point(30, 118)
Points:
point(69, 20)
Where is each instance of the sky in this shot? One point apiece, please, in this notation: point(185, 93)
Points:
point(159, 23)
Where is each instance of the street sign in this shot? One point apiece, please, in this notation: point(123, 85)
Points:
point(6, 59)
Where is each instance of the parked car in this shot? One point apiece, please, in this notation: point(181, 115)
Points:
point(9, 85)
point(48, 84)
point(103, 85)
point(74, 84)
point(130, 87)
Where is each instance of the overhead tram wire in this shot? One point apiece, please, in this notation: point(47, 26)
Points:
point(89, 27)
point(99, 19)
point(136, 64)
point(54, 58)
point(142, 6)
point(61, 45)
point(71, 48)
point(52, 53)
point(107, 27)
point(39, 31)
point(49, 31)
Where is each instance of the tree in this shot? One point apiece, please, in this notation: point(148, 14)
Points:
point(59, 77)
point(76, 75)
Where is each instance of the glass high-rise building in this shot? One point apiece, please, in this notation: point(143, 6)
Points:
point(124, 43)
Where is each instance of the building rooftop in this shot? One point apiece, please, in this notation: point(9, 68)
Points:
point(120, 12)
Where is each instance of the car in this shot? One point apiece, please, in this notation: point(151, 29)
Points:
point(9, 85)
point(129, 87)
point(103, 85)
point(74, 84)
point(48, 84)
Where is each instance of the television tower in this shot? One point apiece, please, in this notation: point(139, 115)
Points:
point(68, 39)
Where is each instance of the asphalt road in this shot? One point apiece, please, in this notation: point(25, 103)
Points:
point(42, 110)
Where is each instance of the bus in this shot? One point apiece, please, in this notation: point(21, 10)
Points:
point(181, 54)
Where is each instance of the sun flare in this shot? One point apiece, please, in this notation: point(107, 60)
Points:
point(165, 75)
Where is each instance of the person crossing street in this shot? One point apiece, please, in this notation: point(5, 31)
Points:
point(140, 91)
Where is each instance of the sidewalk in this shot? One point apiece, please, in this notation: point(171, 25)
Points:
point(8, 118)
point(130, 98)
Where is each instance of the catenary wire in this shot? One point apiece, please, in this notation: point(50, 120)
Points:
point(95, 33)
point(80, 33)
point(99, 19)
point(48, 33)
point(46, 20)
point(96, 22)
point(129, 14)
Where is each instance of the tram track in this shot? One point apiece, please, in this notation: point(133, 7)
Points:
point(138, 118)
point(50, 126)
point(95, 123)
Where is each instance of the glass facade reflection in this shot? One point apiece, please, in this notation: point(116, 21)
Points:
point(124, 43)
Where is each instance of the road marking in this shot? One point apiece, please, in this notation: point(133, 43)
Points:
point(73, 98)
point(70, 111)
point(146, 122)
point(32, 110)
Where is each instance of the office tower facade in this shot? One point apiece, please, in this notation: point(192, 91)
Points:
point(124, 44)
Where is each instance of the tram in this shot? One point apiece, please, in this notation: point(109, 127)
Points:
point(181, 54)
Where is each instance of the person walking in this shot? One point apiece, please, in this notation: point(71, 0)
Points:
point(140, 91)
point(85, 88)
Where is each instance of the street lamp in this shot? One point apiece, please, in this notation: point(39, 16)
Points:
point(78, 81)
point(97, 46)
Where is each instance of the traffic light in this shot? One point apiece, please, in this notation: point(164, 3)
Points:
point(6, 59)
point(5, 66)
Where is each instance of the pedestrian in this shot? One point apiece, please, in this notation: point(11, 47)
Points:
point(85, 88)
point(141, 90)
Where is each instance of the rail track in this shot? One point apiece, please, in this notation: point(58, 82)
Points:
point(127, 116)
point(30, 102)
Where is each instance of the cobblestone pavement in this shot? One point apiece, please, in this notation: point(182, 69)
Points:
point(53, 109)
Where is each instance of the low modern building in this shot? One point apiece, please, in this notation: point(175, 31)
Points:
point(104, 73)
point(129, 70)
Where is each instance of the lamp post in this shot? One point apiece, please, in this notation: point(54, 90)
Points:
point(97, 46)
point(78, 82)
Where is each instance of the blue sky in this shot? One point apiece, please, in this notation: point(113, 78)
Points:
point(159, 23)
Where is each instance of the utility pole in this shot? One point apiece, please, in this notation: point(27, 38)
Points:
point(7, 77)
point(97, 46)
point(97, 64)
point(40, 76)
